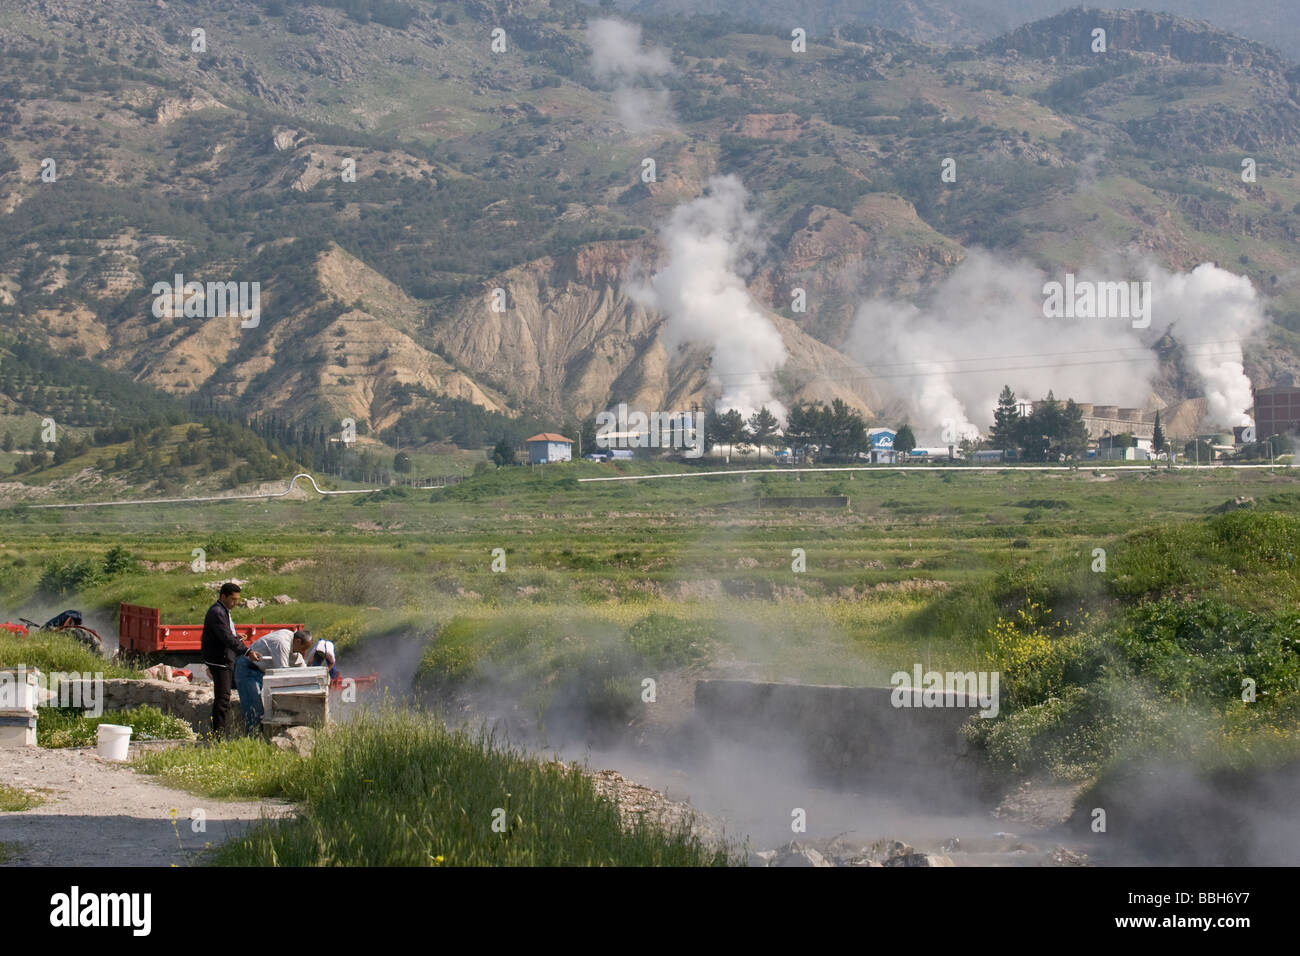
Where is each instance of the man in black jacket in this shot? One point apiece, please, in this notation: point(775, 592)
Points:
point(221, 648)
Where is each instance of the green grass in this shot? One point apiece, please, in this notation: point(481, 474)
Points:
point(52, 652)
point(241, 769)
point(606, 584)
point(71, 728)
point(394, 788)
point(13, 800)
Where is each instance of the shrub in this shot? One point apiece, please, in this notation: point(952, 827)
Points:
point(222, 544)
point(118, 560)
point(68, 577)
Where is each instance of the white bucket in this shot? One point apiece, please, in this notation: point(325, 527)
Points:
point(113, 741)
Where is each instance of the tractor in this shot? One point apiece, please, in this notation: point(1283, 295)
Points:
point(67, 622)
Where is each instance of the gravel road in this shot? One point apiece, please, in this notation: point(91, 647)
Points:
point(98, 813)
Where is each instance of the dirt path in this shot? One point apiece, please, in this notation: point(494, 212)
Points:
point(98, 813)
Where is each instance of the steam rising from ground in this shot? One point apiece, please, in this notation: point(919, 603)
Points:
point(710, 244)
point(617, 57)
point(983, 327)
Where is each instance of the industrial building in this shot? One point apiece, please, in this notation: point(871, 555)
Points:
point(1277, 411)
point(882, 446)
point(1102, 420)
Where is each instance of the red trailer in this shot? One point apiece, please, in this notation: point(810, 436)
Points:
point(140, 631)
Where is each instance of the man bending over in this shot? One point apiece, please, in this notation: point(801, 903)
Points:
point(276, 649)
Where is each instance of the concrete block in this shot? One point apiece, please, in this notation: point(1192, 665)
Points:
point(18, 688)
point(17, 731)
point(298, 708)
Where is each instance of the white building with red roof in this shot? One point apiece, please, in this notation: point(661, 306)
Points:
point(547, 447)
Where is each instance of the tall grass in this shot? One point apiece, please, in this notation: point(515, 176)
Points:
point(395, 788)
point(52, 652)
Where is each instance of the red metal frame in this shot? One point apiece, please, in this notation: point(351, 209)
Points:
point(366, 681)
point(140, 631)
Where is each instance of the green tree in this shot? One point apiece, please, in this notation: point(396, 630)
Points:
point(587, 436)
point(847, 430)
point(799, 426)
point(7, 444)
point(402, 463)
point(1158, 436)
point(1072, 440)
point(1005, 433)
point(503, 453)
point(728, 428)
point(762, 426)
point(904, 440)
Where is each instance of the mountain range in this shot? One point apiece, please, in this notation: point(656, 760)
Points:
point(381, 172)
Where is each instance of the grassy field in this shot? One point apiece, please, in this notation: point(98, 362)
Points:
point(598, 586)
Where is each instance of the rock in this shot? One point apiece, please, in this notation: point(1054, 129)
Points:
point(918, 859)
point(300, 740)
point(283, 599)
point(1061, 856)
point(762, 857)
point(899, 848)
point(796, 854)
point(1235, 504)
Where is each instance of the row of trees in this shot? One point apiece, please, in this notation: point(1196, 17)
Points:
point(1051, 431)
point(838, 430)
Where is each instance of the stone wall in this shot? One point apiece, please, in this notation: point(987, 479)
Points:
point(192, 703)
point(849, 736)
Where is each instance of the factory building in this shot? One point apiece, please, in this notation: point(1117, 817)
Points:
point(1101, 420)
point(1277, 411)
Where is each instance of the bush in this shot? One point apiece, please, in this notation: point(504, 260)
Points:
point(118, 560)
point(1039, 658)
point(222, 544)
point(1075, 735)
point(1204, 650)
point(350, 579)
point(660, 640)
point(69, 577)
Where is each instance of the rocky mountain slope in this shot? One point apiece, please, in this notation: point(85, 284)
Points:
point(379, 172)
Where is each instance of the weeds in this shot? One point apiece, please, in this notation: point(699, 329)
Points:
point(13, 800)
point(71, 728)
point(397, 789)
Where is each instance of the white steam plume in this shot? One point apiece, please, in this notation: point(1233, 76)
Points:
point(1212, 310)
point(617, 57)
point(983, 327)
point(710, 241)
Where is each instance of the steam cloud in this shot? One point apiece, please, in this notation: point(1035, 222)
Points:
point(983, 327)
point(1216, 307)
point(710, 241)
point(617, 57)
